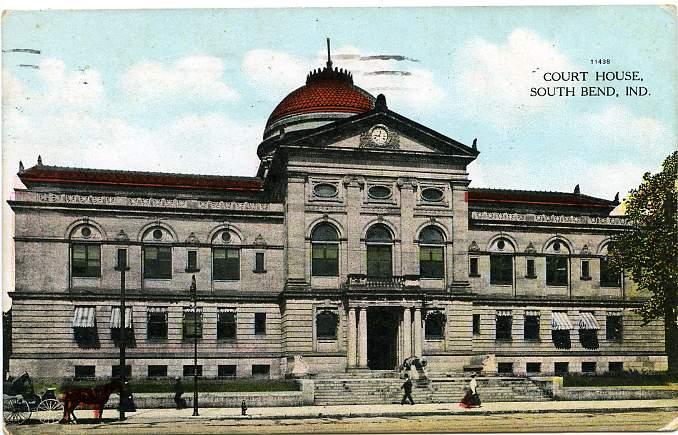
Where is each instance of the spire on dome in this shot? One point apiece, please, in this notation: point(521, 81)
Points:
point(329, 73)
point(329, 58)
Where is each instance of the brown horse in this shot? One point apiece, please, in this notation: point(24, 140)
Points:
point(96, 396)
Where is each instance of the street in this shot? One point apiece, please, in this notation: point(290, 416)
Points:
point(520, 422)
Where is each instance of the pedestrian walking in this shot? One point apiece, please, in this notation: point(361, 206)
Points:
point(178, 391)
point(407, 390)
point(471, 398)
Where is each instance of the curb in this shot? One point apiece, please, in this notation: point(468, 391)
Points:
point(430, 413)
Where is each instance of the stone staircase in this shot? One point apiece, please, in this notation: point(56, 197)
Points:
point(347, 389)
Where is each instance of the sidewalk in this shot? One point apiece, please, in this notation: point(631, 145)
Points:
point(344, 411)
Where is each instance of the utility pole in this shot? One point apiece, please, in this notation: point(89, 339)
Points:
point(122, 267)
point(194, 297)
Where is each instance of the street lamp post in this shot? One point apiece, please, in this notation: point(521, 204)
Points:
point(194, 297)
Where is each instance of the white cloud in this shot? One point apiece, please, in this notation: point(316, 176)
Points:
point(619, 128)
point(495, 79)
point(188, 77)
point(404, 83)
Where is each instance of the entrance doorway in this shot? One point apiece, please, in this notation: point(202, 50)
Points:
point(382, 338)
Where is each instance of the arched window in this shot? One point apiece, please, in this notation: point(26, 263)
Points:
point(435, 325)
point(609, 276)
point(326, 322)
point(85, 251)
point(157, 253)
point(379, 258)
point(501, 262)
point(431, 253)
point(557, 263)
point(325, 251)
point(225, 256)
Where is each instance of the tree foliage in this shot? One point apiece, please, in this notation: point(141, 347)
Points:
point(648, 251)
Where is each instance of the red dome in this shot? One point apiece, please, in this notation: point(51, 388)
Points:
point(326, 91)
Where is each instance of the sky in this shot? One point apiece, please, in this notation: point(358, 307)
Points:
point(189, 91)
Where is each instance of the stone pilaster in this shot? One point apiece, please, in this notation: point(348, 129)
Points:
point(410, 265)
point(296, 248)
point(362, 337)
point(459, 266)
point(417, 332)
point(407, 332)
point(351, 351)
point(354, 186)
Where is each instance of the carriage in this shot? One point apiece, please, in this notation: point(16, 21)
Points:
point(20, 402)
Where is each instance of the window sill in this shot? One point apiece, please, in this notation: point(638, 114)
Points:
point(156, 339)
point(227, 340)
point(474, 276)
point(188, 270)
point(438, 339)
point(326, 340)
point(501, 284)
point(147, 278)
point(226, 280)
point(533, 340)
point(530, 276)
point(504, 340)
point(259, 271)
point(585, 278)
point(556, 285)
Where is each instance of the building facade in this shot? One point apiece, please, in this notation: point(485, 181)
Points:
point(358, 244)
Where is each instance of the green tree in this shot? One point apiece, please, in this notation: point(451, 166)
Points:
point(648, 251)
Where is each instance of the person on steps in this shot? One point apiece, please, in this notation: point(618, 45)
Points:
point(407, 390)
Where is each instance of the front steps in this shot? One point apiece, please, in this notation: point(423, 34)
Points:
point(341, 389)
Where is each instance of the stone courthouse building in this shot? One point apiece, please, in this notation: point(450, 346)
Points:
point(358, 243)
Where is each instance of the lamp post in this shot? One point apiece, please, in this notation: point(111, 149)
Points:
point(194, 298)
point(122, 267)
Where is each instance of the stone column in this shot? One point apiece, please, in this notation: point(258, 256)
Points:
point(409, 262)
point(417, 332)
point(353, 231)
point(362, 337)
point(407, 332)
point(351, 351)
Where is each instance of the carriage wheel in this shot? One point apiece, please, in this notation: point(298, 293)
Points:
point(50, 411)
point(15, 411)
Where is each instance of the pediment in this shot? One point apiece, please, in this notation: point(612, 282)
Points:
point(394, 132)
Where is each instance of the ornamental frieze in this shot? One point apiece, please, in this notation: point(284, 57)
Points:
point(547, 218)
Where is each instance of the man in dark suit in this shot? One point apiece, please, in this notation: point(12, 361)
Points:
point(407, 390)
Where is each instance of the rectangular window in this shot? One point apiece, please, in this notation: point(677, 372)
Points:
point(326, 322)
point(225, 264)
point(189, 370)
point(505, 368)
point(157, 371)
point(86, 260)
point(585, 270)
point(473, 267)
point(504, 325)
point(262, 371)
point(325, 261)
point(501, 269)
point(259, 323)
point(476, 324)
point(85, 372)
point(379, 261)
point(431, 264)
point(259, 266)
point(561, 368)
point(531, 327)
point(192, 323)
point(616, 366)
point(588, 367)
point(530, 268)
point(609, 277)
point(116, 372)
point(156, 324)
point(556, 270)
point(533, 367)
point(614, 327)
point(226, 371)
point(192, 261)
point(226, 324)
point(157, 262)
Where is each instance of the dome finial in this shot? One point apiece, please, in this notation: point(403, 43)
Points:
point(329, 58)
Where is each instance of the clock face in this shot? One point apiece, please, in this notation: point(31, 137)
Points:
point(379, 135)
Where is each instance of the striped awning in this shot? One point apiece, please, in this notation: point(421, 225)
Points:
point(84, 317)
point(115, 317)
point(560, 322)
point(588, 321)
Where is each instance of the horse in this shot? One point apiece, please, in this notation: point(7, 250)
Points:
point(97, 396)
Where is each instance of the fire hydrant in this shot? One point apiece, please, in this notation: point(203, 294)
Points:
point(243, 408)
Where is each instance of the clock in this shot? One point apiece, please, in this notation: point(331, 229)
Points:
point(379, 135)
